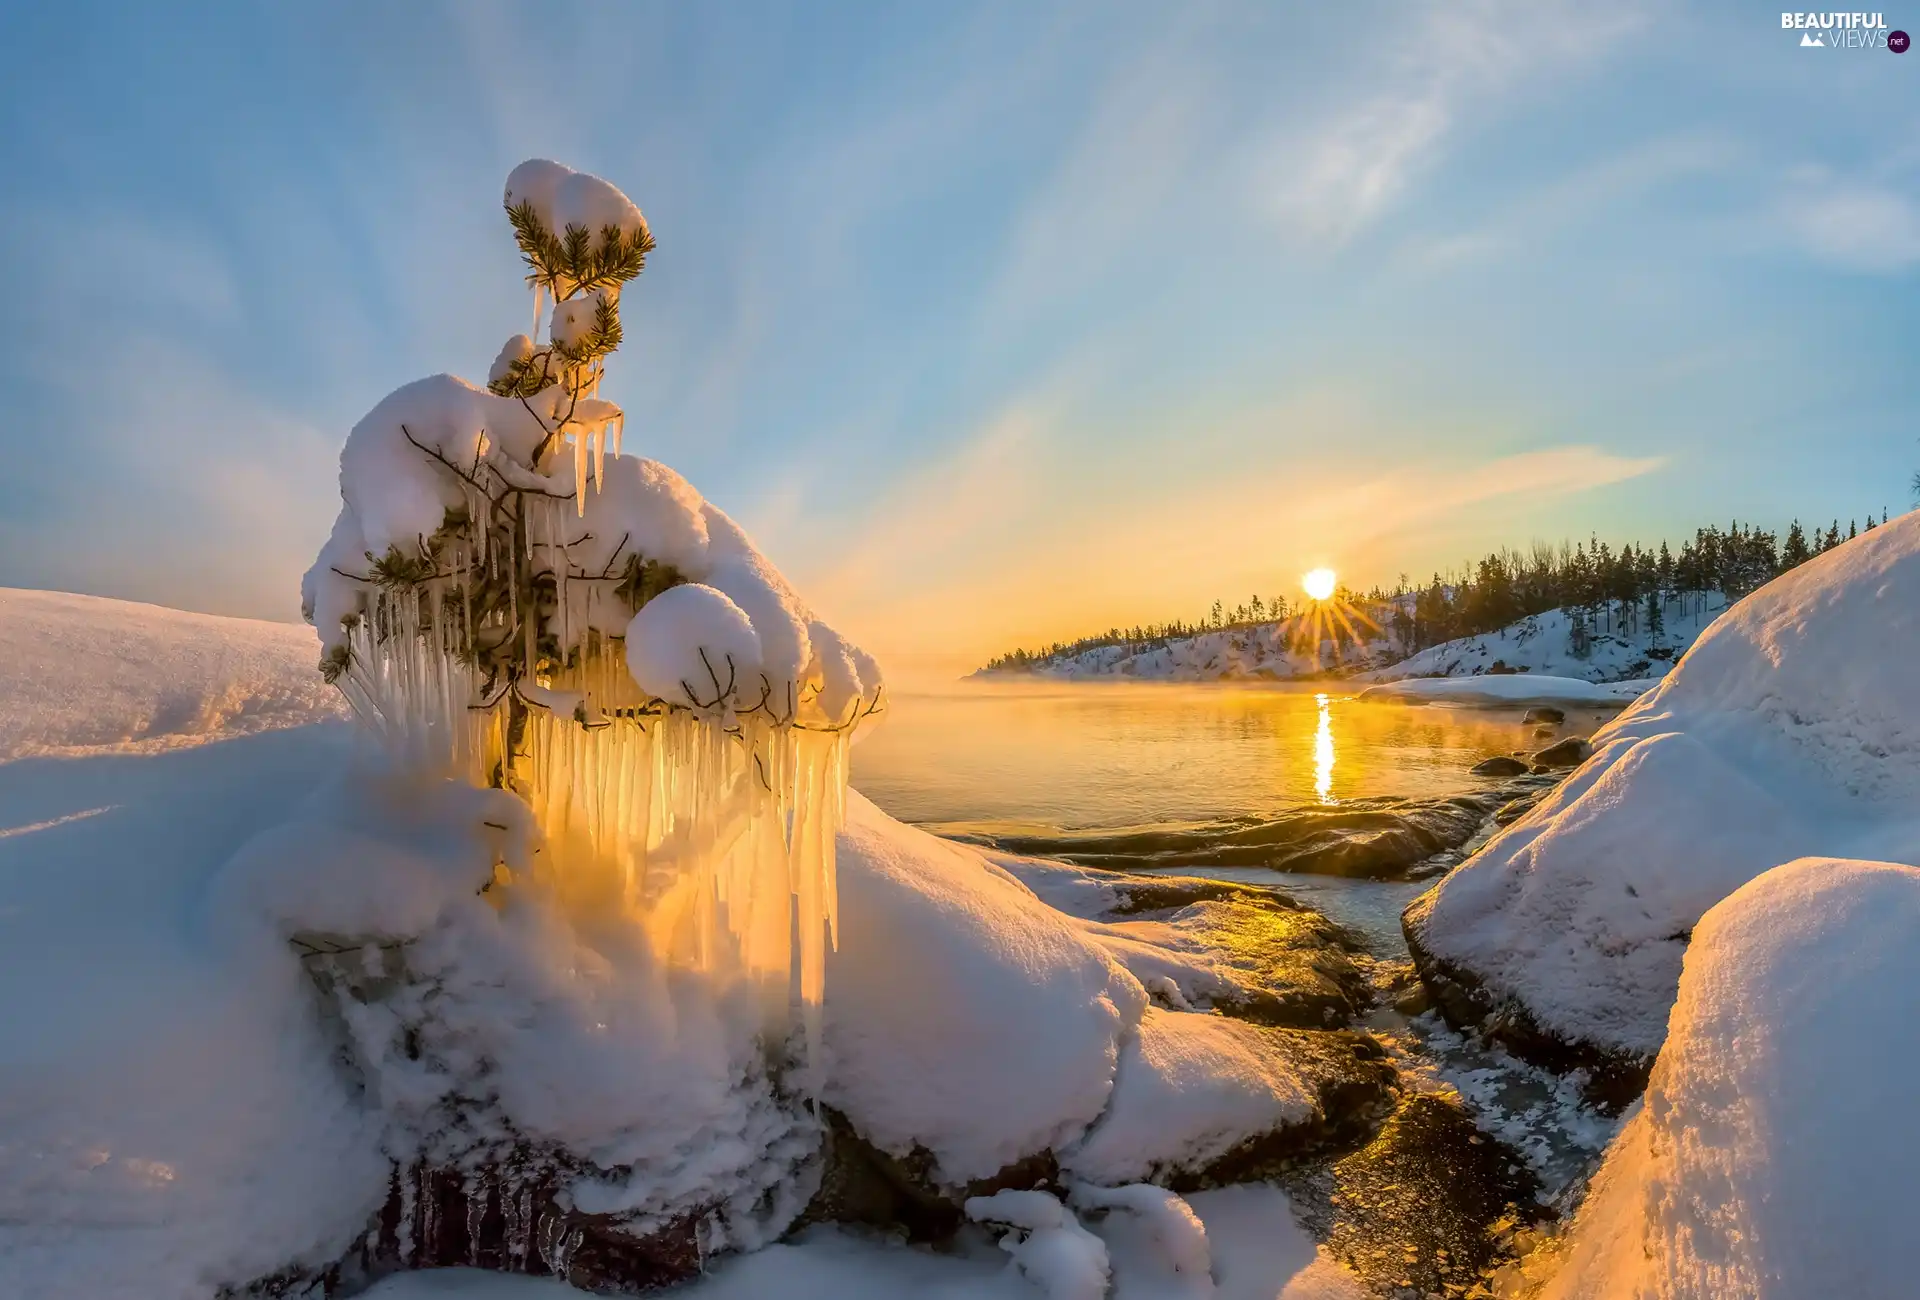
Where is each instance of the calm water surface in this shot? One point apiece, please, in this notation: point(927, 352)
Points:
point(1075, 756)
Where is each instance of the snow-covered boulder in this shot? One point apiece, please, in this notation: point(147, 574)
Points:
point(1792, 727)
point(947, 970)
point(1777, 1156)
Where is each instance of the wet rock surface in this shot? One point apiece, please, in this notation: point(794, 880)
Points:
point(1501, 765)
point(1570, 752)
point(1293, 966)
point(1376, 839)
point(1427, 1207)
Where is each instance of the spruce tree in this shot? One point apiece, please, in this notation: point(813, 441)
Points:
point(1795, 552)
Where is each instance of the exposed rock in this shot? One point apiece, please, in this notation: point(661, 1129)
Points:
point(1288, 965)
point(862, 1184)
point(1500, 765)
point(1613, 1079)
point(1377, 839)
point(1544, 713)
point(1509, 813)
point(1424, 1208)
point(1571, 752)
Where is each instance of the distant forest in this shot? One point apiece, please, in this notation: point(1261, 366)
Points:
point(1626, 589)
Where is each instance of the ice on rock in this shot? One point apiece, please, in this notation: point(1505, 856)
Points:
point(693, 646)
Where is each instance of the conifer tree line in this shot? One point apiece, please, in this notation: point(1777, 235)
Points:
point(1628, 590)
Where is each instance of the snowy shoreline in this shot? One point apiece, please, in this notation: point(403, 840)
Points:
point(1557, 643)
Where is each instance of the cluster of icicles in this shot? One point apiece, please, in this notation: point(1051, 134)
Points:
point(714, 833)
point(590, 437)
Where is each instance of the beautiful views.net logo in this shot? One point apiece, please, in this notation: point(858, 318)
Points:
point(1845, 31)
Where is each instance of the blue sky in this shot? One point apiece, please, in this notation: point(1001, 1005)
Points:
point(993, 323)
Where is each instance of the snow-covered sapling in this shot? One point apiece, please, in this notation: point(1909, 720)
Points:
point(508, 598)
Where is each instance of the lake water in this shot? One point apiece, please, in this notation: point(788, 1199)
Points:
point(1071, 756)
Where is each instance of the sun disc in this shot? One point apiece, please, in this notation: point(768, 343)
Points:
point(1319, 583)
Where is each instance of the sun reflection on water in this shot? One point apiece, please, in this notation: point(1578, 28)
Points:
point(1323, 753)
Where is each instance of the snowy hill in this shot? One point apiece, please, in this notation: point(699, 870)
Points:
point(81, 674)
point(1540, 643)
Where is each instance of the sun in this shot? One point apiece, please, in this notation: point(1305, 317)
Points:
point(1319, 583)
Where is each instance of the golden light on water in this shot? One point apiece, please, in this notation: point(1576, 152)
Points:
point(1323, 753)
point(1320, 583)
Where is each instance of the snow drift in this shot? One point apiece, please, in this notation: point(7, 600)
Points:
point(1776, 1155)
point(1791, 728)
point(88, 675)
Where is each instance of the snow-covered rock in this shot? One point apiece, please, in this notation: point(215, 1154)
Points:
point(85, 675)
point(948, 968)
point(1777, 1155)
point(1791, 728)
point(1190, 1089)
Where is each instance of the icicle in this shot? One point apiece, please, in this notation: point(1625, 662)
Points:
point(534, 334)
point(475, 1189)
point(580, 471)
point(599, 456)
point(719, 845)
point(409, 1205)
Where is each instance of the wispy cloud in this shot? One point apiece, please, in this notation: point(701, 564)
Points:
point(1859, 226)
point(1330, 175)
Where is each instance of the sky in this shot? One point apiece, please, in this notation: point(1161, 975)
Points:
point(994, 324)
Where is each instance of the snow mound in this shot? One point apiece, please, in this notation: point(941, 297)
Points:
point(85, 675)
point(1776, 1156)
point(1791, 728)
point(1048, 1245)
point(948, 969)
point(1509, 688)
point(170, 1119)
point(1190, 1089)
